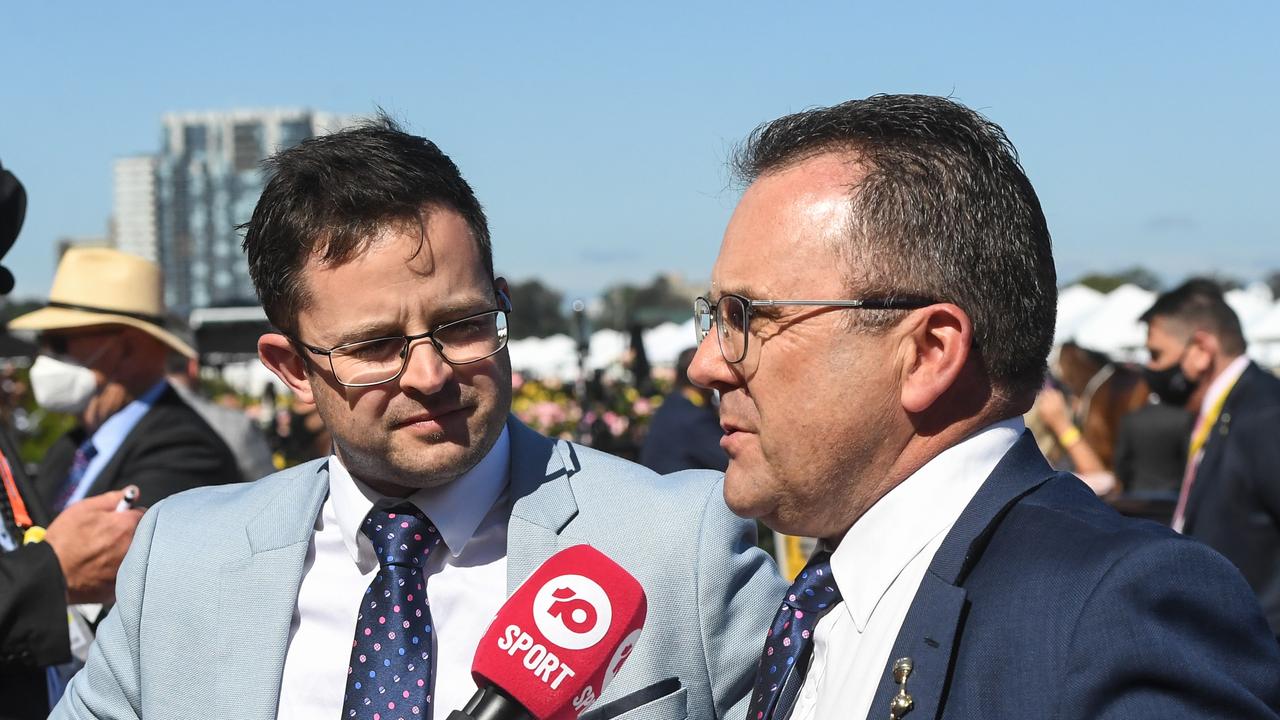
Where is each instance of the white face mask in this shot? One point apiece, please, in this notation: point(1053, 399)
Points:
point(60, 386)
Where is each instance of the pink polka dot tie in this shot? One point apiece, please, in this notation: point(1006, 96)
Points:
point(390, 673)
point(790, 640)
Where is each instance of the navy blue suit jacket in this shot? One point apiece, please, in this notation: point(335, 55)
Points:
point(1234, 506)
point(1042, 602)
point(684, 436)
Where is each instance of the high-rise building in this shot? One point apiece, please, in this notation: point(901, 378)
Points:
point(133, 217)
point(208, 179)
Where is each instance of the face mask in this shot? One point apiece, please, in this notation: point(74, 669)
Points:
point(60, 386)
point(1171, 384)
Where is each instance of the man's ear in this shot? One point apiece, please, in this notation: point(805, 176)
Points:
point(1201, 350)
point(936, 344)
point(277, 353)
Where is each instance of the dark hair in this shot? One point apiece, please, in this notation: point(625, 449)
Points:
point(683, 362)
point(330, 195)
point(945, 212)
point(1198, 304)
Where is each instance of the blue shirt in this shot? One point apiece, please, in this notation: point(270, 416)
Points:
point(111, 435)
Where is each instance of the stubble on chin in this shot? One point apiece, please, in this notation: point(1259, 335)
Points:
point(415, 464)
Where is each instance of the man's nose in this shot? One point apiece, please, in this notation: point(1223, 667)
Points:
point(425, 370)
point(709, 369)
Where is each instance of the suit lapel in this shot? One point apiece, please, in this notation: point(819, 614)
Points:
point(258, 593)
point(109, 478)
point(55, 467)
point(542, 500)
point(935, 621)
point(1207, 473)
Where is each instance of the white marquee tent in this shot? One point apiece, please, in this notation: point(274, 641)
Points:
point(1104, 322)
point(1109, 323)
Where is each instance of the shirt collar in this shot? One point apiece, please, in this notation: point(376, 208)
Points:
point(111, 433)
point(1224, 382)
point(455, 508)
point(901, 524)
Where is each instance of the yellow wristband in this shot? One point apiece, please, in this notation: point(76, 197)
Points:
point(34, 534)
point(1070, 437)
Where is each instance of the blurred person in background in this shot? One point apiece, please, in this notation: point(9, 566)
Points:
point(301, 433)
point(880, 315)
point(246, 440)
point(45, 566)
point(104, 350)
point(1230, 494)
point(1149, 458)
point(1151, 451)
point(1054, 410)
point(685, 433)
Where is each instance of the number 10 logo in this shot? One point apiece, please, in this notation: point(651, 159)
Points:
point(572, 611)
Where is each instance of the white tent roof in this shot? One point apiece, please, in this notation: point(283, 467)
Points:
point(557, 356)
point(554, 356)
point(1109, 323)
point(1251, 304)
point(1112, 326)
point(665, 342)
point(1267, 327)
point(1074, 307)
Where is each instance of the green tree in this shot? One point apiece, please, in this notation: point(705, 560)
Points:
point(536, 310)
point(11, 308)
point(1106, 282)
point(1273, 281)
point(1224, 281)
point(664, 299)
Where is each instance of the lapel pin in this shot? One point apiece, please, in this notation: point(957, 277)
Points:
point(902, 702)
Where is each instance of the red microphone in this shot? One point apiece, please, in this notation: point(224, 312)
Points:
point(558, 641)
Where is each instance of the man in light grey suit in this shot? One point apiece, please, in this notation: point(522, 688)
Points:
point(371, 256)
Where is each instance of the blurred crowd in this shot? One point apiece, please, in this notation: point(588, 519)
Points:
point(274, 430)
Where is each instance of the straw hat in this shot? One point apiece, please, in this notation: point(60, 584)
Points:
point(101, 286)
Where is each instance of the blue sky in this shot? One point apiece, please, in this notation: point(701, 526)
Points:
point(596, 133)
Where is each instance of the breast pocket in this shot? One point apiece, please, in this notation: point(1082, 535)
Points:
point(663, 700)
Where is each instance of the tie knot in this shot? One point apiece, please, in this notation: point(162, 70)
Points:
point(815, 588)
point(400, 535)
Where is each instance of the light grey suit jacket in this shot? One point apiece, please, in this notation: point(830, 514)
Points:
point(207, 592)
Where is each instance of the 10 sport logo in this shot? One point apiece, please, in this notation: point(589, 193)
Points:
point(572, 611)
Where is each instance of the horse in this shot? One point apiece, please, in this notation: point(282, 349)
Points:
point(1101, 392)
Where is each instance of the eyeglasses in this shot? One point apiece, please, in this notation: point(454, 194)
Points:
point(58, 343)
point(731, 315)
point(459, 342)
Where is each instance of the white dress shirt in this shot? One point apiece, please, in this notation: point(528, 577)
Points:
point(466, 585)
point(879, 565)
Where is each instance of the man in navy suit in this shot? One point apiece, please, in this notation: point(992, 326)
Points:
point(1230, 495)
point(685, 432)
point(882, 305)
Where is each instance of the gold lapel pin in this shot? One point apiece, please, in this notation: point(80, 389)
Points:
point(902, 702)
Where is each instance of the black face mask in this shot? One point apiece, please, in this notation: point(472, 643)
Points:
point(1171, 384)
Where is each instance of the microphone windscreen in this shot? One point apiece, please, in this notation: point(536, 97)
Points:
point(563, 634)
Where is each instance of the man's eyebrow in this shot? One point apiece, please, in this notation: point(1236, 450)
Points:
point(456, 308)
point(371, 330)
point(453, 309)
point(741, 290)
